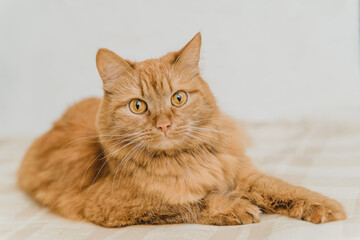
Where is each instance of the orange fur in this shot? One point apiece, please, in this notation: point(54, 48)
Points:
point(102, 163)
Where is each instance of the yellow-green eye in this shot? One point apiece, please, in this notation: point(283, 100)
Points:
point(137, 106)
point(179, 98)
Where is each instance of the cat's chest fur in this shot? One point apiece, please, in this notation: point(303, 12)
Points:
point(185, 177)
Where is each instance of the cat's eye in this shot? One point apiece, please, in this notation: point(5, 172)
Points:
point(137, 106)
point(179, 98)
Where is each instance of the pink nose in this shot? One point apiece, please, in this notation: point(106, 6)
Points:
point(163, 126)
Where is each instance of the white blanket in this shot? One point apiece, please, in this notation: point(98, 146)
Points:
point(322, 155)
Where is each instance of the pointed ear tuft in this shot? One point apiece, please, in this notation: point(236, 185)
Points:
point(189, 55)
point(110, 66)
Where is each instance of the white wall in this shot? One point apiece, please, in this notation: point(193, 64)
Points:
point(263, 59)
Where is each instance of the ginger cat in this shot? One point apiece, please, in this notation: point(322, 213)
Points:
point(156, 149)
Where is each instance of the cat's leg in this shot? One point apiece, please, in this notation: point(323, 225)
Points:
point(228, 209)
point(273, 195)
point(134, 213)
point(110, 209)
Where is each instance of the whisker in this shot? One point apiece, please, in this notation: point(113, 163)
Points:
point(211, 130)
point(123, 160)
point(102, 152)
point(202, 120)
point(97, 136)
point(107, 159)
point(200, 150)
point(126, 161)
point(204, 141)
point(216, 139)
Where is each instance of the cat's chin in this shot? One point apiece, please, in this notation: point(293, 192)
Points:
point(166, 143)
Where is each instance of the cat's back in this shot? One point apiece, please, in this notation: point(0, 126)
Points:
point(81, 113)
point(77, 121)
point(67, 146)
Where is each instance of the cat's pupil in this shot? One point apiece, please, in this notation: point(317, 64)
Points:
point(137, 105)
point(178, 96)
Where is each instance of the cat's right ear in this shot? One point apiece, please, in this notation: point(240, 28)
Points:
point(110, 66)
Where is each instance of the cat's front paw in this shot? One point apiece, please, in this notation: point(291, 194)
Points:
point(236, 213)
point(317, 210)
point(247, 213)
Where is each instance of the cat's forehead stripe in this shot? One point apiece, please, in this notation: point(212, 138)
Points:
point(141, 88)
point(154, 80)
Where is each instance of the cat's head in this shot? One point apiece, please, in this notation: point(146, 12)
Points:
point(159, 104)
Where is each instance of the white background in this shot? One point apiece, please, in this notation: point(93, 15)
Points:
point(264, 60)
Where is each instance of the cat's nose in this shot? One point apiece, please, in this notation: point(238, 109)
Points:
point(163, 126)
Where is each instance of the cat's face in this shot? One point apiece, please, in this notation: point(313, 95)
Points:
point(158, 104)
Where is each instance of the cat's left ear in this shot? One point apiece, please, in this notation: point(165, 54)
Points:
point(189, 55)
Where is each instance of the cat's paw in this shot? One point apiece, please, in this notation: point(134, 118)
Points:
point(247, 213)
point(318, 210)
point(237, 213)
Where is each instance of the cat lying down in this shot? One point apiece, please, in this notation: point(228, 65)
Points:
point(156, 149)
